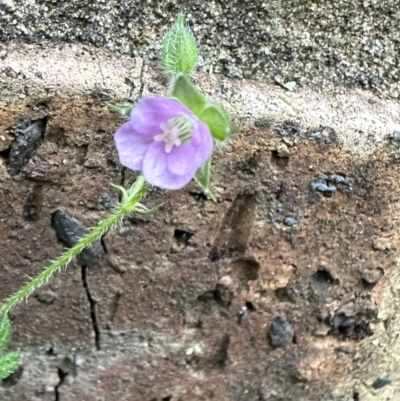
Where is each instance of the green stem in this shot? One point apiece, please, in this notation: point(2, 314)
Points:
point(130, 203)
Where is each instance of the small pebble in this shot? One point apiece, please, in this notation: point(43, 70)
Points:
point(371, 277)
point(282, 150)
point(381, 382)
point(46, 297)
point(322, 186)
point(280, 332)
point(243, 315)
point(289, 221)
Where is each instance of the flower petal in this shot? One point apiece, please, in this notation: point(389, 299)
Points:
point(147, 117)
point(156, 172)
point(131, 147)
point(180, 160)
point(192, 155)
point(202, 142)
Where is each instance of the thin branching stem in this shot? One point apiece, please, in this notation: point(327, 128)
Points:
point(130, 203)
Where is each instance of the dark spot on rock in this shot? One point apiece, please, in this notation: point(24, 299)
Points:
point(284, 295)
point(219, 353)
point(68, 366)
point(280, 161)
point(4, 154)
point(250, 306)
point(210, 295)
point(280, 332)
point(167, 398)
point(216, 253)
point(222, 294)
point(249, 166)
point(325, 134)
point(199, 196)
point(262, 123)
point(13, 378)
point(43, 104)
point(394, 137)
point(288, 128)
point(246, 268)
point(32, 205)
point(102, 94)
point(354, 327)
point(371, 277)
point(29, 135)
point(381, 382)
point(180, 240)
point(323, 275)
point(105, 201)
point(70, 231)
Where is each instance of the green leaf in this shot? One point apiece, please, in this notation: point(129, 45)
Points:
point(5, 332)
point(184, 91)
point(124, 111)
point(218, 121)
point(9, 364)
point(179, 53)
point(202, 178)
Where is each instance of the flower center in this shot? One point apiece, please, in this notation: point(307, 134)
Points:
point(176, 131)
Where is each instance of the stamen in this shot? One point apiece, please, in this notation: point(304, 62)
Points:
point(175, 132)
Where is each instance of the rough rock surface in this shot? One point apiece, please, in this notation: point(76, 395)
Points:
point(319, 43)
point(182, 303)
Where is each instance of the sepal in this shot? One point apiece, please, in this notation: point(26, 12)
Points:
point(202, 178)
point(218, 121)
point(184, 91)
point(124, 111)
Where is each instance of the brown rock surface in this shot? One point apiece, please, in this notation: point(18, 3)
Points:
point(185, 297)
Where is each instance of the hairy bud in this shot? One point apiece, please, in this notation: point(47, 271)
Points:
point(179, 52)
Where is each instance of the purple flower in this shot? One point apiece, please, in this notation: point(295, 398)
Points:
point(165, 141)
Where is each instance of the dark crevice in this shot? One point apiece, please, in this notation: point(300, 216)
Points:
point(4, 154)
point(180, 240)
point(62, 375)
point(103, 244)
point(92, 303)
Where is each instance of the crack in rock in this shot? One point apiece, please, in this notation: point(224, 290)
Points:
point(69, 231)
point(92, 302)
point(62, 375)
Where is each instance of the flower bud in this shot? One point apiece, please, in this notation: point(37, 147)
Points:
point(179, 52)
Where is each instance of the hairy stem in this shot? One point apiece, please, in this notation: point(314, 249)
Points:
point(130, 203)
